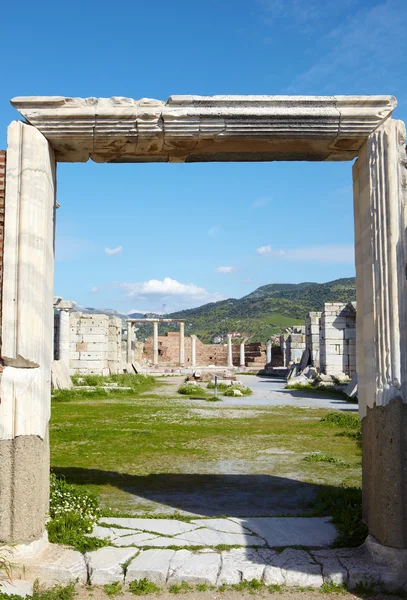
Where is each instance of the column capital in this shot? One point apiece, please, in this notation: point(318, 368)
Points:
point(65, 305)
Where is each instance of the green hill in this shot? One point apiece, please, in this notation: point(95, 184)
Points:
point(266, 311)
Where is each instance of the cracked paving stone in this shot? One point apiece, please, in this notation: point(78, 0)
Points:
point(292, 531)
point(210, 537)
point(194, 568)
point(244, 564)
point(151, 564)
point(160, 526)
point(105, 565)
point(293, 568)
point(223, 525)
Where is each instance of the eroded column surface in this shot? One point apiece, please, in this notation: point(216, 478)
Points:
point(130, 342)
point(193, 350)
point(64, 307)
point(182, 343)
point(27, 334)
point(242, 355)
point(155, 343)
point(230, 354)
point(268, 352)
point(380, 220)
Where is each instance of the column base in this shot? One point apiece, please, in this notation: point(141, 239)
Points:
point(24, 489)
point(384, 435)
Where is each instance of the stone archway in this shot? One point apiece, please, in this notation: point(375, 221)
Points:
point(202, 129)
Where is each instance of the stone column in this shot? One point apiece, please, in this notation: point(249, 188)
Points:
point(27, 334)
point(380, 223)
point(64, 307)
point(230, 354)
point(193, 350)
point(155, 343)
point(268, 352)
point(182, 343)
point(242, 356)
point(130, 342)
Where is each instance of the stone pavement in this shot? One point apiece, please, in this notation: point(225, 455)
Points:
point(168, 551)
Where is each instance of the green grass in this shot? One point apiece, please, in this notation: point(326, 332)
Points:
point(138, 384)
point(343, 419)
point(112, 589)
point(142, 587)
point(322, 457)
point(191, 389)
point(126, 449)
point(180, 588)
point(57, 592)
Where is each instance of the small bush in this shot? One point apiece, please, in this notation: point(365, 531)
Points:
point(141, 587)
point(190, 389)
point(246, 391)
point(112, 589)
point(221, 386)
point(254, 585)
point(73, 511)
point(180, 588)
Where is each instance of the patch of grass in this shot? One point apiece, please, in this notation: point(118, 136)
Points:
point(222, 588)
point(202, 587)
point(364, 589)
point(58, 592)
point(136, 383)
point(190, 389)
point(222, 387)
point(252, 586)
point(245, 391)
point(299, 386)
point(112, 589)
point(344, 505)
point(342, 419)
point(180, 588)
point(141, 587)
point(332, 588)
point(213, 399)
point(274, 587)
point(353, 435)
point(326, 458)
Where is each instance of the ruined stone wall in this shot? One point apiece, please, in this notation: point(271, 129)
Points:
point(312, 325)
point(168, 351)
point(95, 343)
point(338, 339)
point(294, 346)
point(2, 203)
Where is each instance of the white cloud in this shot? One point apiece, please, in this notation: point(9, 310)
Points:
point(261, 202)
point(174, 294)
point(327, 253)
point(214, 231)
point(111, 251)
point(226, 269)
point(94, 290)
point(138, 310)
point(262, 250)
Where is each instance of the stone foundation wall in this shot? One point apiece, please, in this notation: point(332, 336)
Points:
point(294, 346)
point(338, 339)
point(168, 351)
point(95, 343)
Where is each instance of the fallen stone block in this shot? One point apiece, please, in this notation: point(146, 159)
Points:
point(60, 378)
point(17, 587)
point(54, 565)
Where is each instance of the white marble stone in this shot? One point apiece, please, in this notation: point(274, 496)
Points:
point(293, 568)
point(292, 531)
point(151, 564)
point(105, 129)
point(54, 565)
point(210, 537)
point(105, 565)
point(18, 587)
point(194, 568)
point(225, 525)
point(243, 564)
point(161, 526)
point(28, 272)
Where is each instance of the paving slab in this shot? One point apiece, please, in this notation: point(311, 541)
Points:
point(136, 539)
point(162, 526)
point(151, 564)
point(54, 565)
point(196, 568)
point(18, 587)
point(243, 564)
point(292, 531)
point(225, 525)
point(210, 537)
point(105, 565)
point(293, 568)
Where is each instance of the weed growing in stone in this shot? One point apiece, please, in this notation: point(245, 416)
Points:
point(238, 387)
point(332, 588)
point(141, 587)
point(252, 586)
point(180, 588)
point(112, 589)
point(322, 457)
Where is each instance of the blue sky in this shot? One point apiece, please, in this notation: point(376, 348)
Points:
point(144, 236)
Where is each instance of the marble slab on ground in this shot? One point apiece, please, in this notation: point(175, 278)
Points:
point(105, 565)
point(292, 531)
point(256, 532)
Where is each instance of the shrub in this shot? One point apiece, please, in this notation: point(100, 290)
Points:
point(112, 589)
point(141, 587)
point(343, 419)
point(222, 387)
point(73, 511)
point(245, 391)
point(190, 389)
